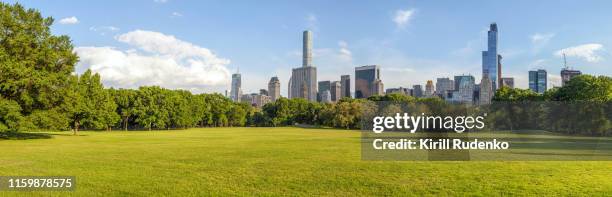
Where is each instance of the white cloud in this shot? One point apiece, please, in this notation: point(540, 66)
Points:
point(403, 17)
point(103, 30)
point(539, 38)
point(344, 53)
point(69, 20)
point(176, 14)
point(587, 52)
point(156, 59)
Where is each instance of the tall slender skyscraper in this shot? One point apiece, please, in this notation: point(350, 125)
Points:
point(236, 91)
point(490, 58)
point(303, 81)
point(307, 49)
point(346, 85)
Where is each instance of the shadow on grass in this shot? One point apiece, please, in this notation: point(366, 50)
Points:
point(23, 136)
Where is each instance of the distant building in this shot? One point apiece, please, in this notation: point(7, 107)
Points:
point(567, 74)
point(326, 96)
point(247, 98)
point(236, 90)
point(443, 85)
point(336, 91)
point(323, 86)
point(485, 90)
point(507, 82)
point(303, 81)
point(367, 81)
point(259, 100)
point(263, 92)
point(379, 88)
point(538, 81)
point(429, 88)
point(491, 62)
point(417, 91)
point(346, 85)
point(465, 89)
point(274, 88)
point(400, 90)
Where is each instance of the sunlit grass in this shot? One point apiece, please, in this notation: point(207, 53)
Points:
point(275, 161)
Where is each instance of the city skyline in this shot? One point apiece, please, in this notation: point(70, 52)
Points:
point(412, 41)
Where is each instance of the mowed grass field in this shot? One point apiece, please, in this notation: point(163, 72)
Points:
point(275, 161)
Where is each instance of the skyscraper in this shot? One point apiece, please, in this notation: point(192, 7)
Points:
point(443, 85)
point(303, 81)
point(236, 91)
point(336, 91)
point(346, 85)
point(429, 88)
point(490, 59)
point(538, 81)
point(323, 86)
point(417, 91)
point(465, 89)
point(365, 79)
point(307, 49)
point(274, 88)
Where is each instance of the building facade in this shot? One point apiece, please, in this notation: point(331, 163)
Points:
point(366, 78)
point(274, 88)
point(538, 81)
point(336, 91)
point(322, 87)
point(429, 88)
point(485, 91)
point(346, 85)
point(417, 91)
point(443, 85)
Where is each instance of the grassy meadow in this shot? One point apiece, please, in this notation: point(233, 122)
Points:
point(275, 161)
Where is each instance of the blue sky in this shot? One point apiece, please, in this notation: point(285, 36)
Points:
point(195, 45)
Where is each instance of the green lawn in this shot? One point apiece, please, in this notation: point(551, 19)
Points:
point(276, 161)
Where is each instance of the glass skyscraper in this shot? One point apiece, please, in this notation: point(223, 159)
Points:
point(538, 81)
point(490, 63)
point(365, 78)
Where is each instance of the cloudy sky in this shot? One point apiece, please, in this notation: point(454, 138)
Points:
point(196, 45)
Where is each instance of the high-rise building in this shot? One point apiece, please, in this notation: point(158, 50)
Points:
point(507, 82)
point(274, 88)
point(443, 85)
point(323, 86)
point(303, 81)
point(465, 89)
point(336, 91)
point(538, 81)
point(346, 85)
point(307, 49)
point(417, 91)
point(429, 88)
point(567, 74)
point(486, 91)
point(259, 100)
point(491, 62)
point(366, 78)
point(236, 91)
